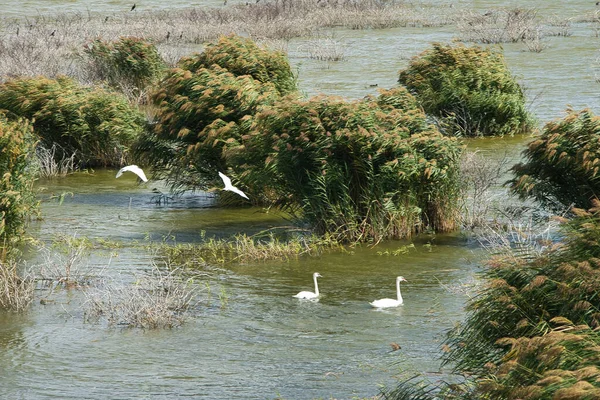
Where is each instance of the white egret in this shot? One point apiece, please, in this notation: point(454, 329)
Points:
point(384, 303)
point(230, 187)
point(135, 169)
point(310, 295)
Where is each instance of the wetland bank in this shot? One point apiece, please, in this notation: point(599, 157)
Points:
point(245, 336)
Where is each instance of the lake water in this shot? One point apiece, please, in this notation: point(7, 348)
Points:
point(261, 343)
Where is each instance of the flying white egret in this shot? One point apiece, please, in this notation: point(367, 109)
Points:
point(230, 187)
point(310, 295)
point(135, 169)
point(384, 303)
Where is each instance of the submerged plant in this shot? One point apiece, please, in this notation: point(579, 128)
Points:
point(470, 90)
point(562, 166)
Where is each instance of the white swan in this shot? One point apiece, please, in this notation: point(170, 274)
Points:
point(384, 303)
point(135, 169)
point(310, 295)
point(230, 187)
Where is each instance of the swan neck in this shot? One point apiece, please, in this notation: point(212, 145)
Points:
point(316, 286)
point(398, 290)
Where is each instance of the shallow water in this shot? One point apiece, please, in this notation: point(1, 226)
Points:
point(262, 343)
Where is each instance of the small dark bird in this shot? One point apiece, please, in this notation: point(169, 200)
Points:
point(180, 36)
point(373, 85)
point(106, 20)
point(17, 31)
point(395, 346)
point(132, 7)
point(53, 32)
point(168, 34)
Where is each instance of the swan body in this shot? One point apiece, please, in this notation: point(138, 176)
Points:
point(135, 169)
point(307, 294)
point(230, 187)
point(385, 303)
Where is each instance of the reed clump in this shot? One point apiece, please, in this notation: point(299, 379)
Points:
point(96, 125)
point(359, 171)
point(469, 89)
point(17, 199)
point(157, 299)
point(532, 332)
point(16, 288)
point(562, 166)
point(130, 65)
point(499, 26)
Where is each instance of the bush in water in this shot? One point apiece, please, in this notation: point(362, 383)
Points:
point(129, 64)
point(97, 125)
point(562, 166)
point(17, 200)
point(361, 171)
point(242, 56)
point(470, 90)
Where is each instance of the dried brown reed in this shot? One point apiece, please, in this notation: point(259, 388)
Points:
point(157, 299)
point(16, 289)
point(51, 46)
point(49, 166)
point(498, 26)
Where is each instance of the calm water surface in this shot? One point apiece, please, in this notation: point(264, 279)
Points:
point(261, 343)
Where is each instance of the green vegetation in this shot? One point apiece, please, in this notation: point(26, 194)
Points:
point(561, 166)
point(470, 90)
point(531, 332)
point(242, 56)
point(360, 171)
point(97, 125)
point(17, 200)
point(129, 64)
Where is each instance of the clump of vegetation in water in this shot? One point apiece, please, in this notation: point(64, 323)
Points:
point(469, 89)
point(129, 64)
point(244, 248)
point(198, 110)
point(530, 332)
point(359, 171)
point(17, 200)
point(16, 290)
point(158, 299)
point(96, 125)
point(242, 56)
point(562, 166)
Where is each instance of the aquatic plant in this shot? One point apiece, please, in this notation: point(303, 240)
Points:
point(16, 289)
point(157, 299)
point(197, 114)
point(96, 125)
point(129, 64)
point(17, 199)
point(469, 89)
point(499, 26)
point(242, 56)
point(562, 166)
point(359, 171)
point(531, 332)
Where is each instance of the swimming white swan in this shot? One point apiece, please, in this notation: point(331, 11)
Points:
point(310, 295)
point(384, 303)
point(135, 169)
point(230, 187)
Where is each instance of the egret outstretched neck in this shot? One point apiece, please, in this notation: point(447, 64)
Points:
point(398, 290)
point(316, 284)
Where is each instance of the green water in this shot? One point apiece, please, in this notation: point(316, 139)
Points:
point(262, 343)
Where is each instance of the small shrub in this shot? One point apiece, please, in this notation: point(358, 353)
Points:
point(17, 199)
point(128, 64)
point(470, 90)
point(96, 125)
point(242, 56)
point(562, 166)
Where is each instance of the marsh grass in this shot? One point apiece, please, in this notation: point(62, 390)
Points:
point(16, 289)
point(326, 49)
point(499, 26)
point(266, 246)
point(157, 299)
